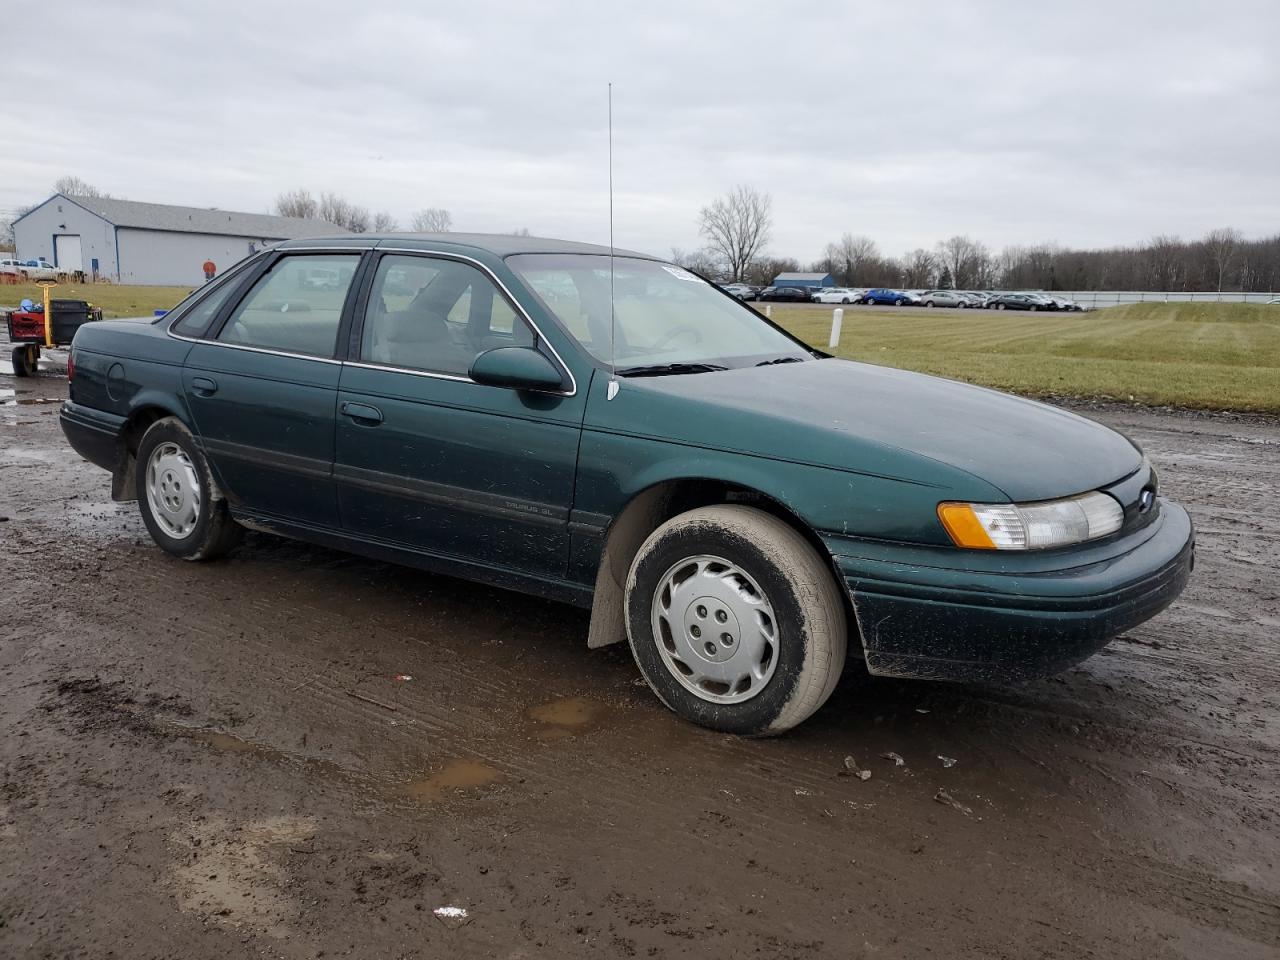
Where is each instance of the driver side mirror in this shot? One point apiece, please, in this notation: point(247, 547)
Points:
point(518, 368)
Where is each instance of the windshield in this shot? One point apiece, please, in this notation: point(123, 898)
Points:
point(665, 315)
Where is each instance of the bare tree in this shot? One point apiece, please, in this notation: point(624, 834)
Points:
point(965, 259)
point(431, 220)
point(702, 262)
point(297, 203)
point(1166, 262)
point(919, 267)
point(384, 222)
point(342, 212)
point(73, 186)
point(1221, 245)
point(520, 232)
point(849, 256)
point(737, 227)
point(763, 270)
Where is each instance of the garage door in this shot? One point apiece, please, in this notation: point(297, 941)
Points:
point(66, 252)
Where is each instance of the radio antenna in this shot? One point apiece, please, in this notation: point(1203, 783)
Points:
point(613, 312)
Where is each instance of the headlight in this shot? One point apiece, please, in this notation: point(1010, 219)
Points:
point(1031, 526)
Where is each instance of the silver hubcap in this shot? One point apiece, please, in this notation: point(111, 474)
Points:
point(173, 491)
point(715, 629)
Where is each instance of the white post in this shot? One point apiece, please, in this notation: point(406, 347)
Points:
point(837, 320)
point(768, 310)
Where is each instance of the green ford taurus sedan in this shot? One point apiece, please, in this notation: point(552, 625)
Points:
point(615, 432)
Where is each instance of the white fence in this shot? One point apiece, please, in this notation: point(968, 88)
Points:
point(1111, 298)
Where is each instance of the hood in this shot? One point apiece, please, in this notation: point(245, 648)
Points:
point(877, 420)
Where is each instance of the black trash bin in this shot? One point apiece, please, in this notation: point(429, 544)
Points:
point(68, 317)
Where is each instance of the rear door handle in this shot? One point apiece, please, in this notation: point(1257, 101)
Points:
point(361, 413)
point(204, 386)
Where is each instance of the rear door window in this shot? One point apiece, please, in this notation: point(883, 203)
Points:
point(296, 306)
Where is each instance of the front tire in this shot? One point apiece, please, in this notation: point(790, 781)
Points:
point(735, 621)
point(176, 495)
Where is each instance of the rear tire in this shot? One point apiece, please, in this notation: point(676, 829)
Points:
point(735, 621)
point(176, 495)
point(24, 362)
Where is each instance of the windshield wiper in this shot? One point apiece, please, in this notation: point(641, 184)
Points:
point(663, 369)
point(768, 363)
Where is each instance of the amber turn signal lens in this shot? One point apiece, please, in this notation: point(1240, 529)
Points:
point(964, 527)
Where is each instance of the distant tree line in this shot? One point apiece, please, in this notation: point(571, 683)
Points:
point(737, 227)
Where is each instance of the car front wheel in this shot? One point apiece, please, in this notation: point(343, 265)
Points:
point(176, 495)
point(735, 621)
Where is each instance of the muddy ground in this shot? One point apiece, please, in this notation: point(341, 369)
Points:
point(217, 761)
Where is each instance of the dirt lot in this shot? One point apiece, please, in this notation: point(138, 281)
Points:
point(217, 761)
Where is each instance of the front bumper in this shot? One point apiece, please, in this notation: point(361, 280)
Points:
point(1008, 616)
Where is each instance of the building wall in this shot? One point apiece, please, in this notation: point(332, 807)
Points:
point(33, 235)
point(158, 257)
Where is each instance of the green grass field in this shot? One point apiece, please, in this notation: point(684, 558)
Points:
point(115, 299)
point(1204, 356)
point(1211, 356)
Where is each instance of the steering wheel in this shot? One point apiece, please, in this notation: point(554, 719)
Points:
point(677, 332)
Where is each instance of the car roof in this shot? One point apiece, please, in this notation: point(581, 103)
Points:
point(497, 244)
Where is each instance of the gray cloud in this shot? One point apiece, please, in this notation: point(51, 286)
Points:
point(1091, 123)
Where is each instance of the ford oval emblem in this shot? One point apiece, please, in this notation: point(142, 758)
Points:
point(1146, 499)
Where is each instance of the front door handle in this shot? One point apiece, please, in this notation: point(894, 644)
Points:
point(361, 413)
point(204, 386)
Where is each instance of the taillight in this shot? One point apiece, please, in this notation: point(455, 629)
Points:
point(71, 365)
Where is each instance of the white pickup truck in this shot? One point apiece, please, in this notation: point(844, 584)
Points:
point(30, 269)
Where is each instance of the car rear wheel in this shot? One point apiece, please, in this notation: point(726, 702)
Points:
point(898, 303)
point(845, 300)
point(1033, 308)
point(176, 495)
point(735, 621)
point(999, 306)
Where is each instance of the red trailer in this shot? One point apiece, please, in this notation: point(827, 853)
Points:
point(28, 331)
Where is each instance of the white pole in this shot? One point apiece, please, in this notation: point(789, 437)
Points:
point(837, 320)
point(768, 310)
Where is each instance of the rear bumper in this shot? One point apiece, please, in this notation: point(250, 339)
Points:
point(94, 434)
point(1018, 617)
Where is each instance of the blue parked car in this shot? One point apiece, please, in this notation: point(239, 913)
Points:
point(883, 297)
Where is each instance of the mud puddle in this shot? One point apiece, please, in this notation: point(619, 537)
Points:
point(564, 718)
point(454, 777)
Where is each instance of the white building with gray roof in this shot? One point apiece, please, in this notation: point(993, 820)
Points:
point(131, 242)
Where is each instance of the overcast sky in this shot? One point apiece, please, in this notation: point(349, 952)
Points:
point(1086, 124)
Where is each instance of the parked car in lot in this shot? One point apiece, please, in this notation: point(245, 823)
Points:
point(785, 294)
point(883, 296)
point(484, 408)
point(838, 295)
point(945, 298)
point(743, 291)
point(1015, 301)
point(30, 269)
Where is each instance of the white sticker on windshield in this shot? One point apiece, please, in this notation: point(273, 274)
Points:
point(680, 273)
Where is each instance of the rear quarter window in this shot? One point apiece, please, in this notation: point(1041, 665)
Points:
point(195, 321)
